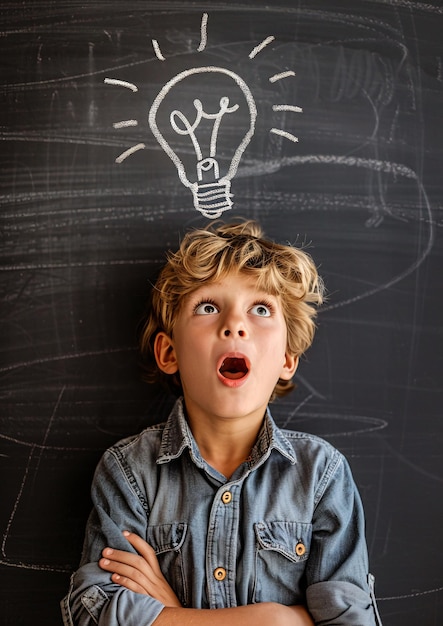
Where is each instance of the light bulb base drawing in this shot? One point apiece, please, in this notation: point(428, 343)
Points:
point(212, 199)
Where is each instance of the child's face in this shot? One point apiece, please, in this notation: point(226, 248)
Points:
point(229, 345)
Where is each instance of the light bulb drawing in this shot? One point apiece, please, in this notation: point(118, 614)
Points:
point(203, 119)
point(210, 189)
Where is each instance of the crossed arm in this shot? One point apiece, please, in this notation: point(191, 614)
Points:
point(141, 573)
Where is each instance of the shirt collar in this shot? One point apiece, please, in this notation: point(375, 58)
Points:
point(177, 437)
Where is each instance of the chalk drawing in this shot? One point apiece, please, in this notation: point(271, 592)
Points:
point(124, 155)
point(210, 187)
point(214, 197)
point(157, 50)
point(281, 76)
point(125, 123)
point(284, 133)
point(121, 83)
point(261, 46)
point(287, 107)
point(203, 31)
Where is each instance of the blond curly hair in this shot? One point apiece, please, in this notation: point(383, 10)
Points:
point(209, 255)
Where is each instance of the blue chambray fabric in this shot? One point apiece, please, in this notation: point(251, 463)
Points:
point(287, 526)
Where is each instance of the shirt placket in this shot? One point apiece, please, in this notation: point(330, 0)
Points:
point(221, 553)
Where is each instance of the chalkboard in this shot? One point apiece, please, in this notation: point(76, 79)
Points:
point(340, 148)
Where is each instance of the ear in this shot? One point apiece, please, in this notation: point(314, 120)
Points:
point(164, 353)
point(289, 367)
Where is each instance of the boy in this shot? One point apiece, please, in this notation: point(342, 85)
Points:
point(218, 516)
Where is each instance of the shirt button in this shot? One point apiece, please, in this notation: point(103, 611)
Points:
point(226, 497)
point(300, 549)
point(220, 573)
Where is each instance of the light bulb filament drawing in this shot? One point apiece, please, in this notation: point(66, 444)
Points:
point(207, 163)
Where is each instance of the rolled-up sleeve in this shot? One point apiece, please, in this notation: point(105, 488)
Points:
point(93, 600)
point(339, 589)
point(337, 603)
point(118, 504)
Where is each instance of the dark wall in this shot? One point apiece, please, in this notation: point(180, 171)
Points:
point(82, 236)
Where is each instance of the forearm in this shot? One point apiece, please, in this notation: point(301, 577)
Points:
point(251, 615)
point(141, 574)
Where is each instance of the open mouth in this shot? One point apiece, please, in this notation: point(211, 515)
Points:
point(233, 368)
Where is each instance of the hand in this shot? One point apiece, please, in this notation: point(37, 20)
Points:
point(139, 572)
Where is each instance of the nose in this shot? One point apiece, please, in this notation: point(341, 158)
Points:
point(240, 332)
point(234, 325)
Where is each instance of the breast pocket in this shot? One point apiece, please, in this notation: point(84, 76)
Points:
point(282, 549)
point(167, 541)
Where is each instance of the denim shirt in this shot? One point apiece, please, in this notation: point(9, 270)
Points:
point(286, 527)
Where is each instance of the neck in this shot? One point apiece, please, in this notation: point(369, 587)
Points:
point(225, 444)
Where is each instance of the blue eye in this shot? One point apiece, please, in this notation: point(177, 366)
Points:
point(262, 310)
point(205, 308)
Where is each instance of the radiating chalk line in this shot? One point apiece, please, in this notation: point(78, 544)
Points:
point(124, 155)
point(285, 134)
point(261, 46)
point(121, 83)
point(203, 33)
point(157, 50)
point(287, 107)
point(125, 124)
point(281, 76)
